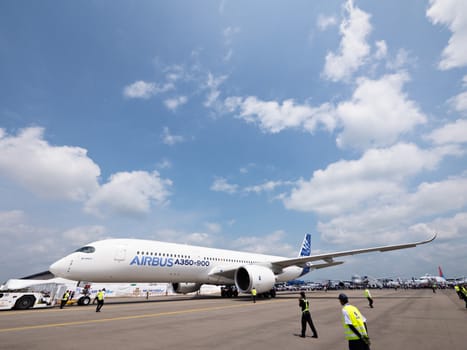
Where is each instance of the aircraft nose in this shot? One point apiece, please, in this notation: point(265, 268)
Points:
point(59, 267)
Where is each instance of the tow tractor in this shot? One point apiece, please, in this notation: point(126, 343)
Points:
point(37, 296)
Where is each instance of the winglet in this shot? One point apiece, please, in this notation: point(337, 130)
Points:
point(428, 240)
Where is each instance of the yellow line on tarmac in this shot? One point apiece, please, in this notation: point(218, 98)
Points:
point(75, 323)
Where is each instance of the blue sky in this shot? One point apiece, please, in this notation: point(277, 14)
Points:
point(235, 124)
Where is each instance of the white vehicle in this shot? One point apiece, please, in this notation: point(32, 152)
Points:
point(188, 267)
point(36, 296)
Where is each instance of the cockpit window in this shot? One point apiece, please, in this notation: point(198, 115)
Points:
point(87, 249)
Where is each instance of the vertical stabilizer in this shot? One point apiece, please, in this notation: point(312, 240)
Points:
point(305, 250)
point(440, 272)
point(306, 246)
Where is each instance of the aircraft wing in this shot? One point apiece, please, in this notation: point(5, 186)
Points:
point(328, 258)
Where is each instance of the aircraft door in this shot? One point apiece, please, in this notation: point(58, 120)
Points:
point(120, 253)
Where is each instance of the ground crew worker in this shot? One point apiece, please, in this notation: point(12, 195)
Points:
point(306, 316)
point(458, 291)
point(65, 298)
point(355, 329)
point(253, 294)
point(100, 299)
point(464, 294)
point(368, 296)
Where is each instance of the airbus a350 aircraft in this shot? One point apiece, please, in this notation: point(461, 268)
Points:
point(188, 267)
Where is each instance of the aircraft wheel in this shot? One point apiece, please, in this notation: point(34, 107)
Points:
point(84, 301)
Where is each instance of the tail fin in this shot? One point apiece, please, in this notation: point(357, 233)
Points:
point(306, 246)
point(305, 250)
point(440, 272)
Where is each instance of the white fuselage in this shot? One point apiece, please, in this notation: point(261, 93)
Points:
point(134, 260)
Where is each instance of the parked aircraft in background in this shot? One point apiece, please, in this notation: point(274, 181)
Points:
point(366, 281)
point(188, 267)
point(428, 280)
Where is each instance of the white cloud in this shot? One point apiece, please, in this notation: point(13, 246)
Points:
point(381, 49)
point(174, 73)
point(66, 172)
point(145, 90)
point(129, 193)
point(62, 172)
point(270, 244)
point(450, 227)
point(268, 186)
point(170, 139)
point(402, 59)
point(389, 217)
point(40, 245)
point(11, 224)
point(213, 227)
point(173, 103)
point(229, 32)
point(164, 164)
point(273, 117)
point(450, 133)
point(324, 22)
point(452, 13)
point(459, 102)
point(353, 47)
point(378, 113)
point(212, 85)
point(199, 238)
point(348, 185)
point(79, 236)
point(221, 185)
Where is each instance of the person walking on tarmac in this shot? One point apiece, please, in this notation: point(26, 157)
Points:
point(458, 291)
point(368, 296)
point(253, 294)
point(463, 290)
point(306, 316)
point(100, 299)
point(65, 298)
point(355, 328)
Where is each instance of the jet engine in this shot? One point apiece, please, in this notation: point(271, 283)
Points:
point(185, 288)
point(249, 276)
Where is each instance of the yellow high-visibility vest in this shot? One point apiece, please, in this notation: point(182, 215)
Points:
point(100, 295)
point(307, 305)
point(357, 321)
point(253, 292)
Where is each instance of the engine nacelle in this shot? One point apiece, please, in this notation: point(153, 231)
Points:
point(249, 276)
point(185, 288)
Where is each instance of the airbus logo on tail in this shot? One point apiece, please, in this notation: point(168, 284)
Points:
point(306, 246)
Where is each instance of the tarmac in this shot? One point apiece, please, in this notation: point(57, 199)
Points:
point(402, 319)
